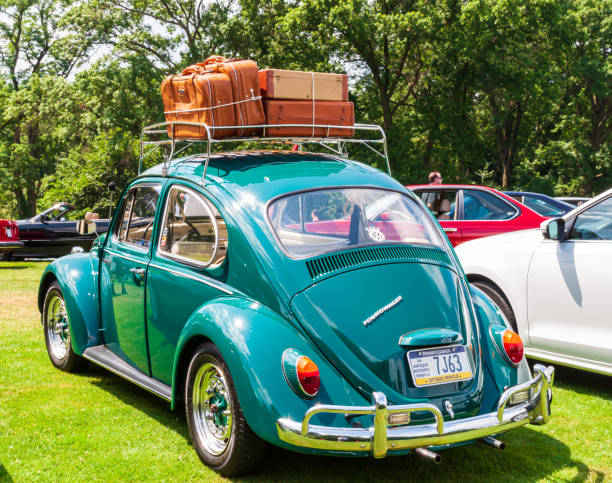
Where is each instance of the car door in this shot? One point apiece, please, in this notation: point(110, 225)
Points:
point(569, 288)
point(123, 275)
point(484, 214)
point(186, 271)
point(443, 204)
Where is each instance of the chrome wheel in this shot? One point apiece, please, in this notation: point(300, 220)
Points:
point(212, 408)
point(58, 333)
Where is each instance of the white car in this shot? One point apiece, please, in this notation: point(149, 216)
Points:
point(554, 284)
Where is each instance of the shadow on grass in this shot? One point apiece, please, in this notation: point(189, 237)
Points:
point(13, 267)
point(530, 455)
point(4, 475)
point(132, 395)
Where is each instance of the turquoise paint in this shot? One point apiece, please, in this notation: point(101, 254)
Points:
point(500, 372)
point(252, 339)
point(77, 277)
point(276, 304)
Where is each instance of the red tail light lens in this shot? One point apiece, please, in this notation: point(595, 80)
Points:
point(308, 375)
point(513, 345)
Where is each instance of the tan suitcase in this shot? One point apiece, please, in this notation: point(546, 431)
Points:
point(298, 85)
point(204, 97)
point(301, 112)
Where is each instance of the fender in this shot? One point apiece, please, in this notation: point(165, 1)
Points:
point(503, 374)
point(252, 339)
point(78, 278)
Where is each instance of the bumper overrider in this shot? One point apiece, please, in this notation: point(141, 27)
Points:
point(380, 437)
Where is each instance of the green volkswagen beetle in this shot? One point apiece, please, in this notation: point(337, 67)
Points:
point(295, 299)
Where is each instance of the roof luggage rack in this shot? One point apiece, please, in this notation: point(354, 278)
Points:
point(155, 136)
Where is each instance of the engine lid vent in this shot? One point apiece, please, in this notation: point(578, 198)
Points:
point(327, 264)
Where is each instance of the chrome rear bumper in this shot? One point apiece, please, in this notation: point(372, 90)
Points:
point(380, 438)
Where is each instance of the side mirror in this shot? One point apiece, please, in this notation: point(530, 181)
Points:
point(43, 218)
point(553, 229)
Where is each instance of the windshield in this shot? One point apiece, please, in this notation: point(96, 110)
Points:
point(316, 222)
point(543, 207)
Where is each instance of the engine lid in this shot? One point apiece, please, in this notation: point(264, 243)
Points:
point(366, 320)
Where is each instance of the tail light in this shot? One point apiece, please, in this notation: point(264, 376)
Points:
point(513, 345)
point(301, 373)
point(508, 343)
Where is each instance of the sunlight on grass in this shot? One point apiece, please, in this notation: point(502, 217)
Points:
point(95, 426)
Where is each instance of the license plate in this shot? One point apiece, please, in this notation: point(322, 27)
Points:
point(440, 365)
point(9, 232)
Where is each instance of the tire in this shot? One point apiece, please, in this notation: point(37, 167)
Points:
point(219, 433)
point(5, 256)
point(500, 300)
point(57, 333)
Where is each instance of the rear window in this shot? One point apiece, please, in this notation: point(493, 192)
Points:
point(317, 222)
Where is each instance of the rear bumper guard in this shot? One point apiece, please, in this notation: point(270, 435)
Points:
point(380, 438)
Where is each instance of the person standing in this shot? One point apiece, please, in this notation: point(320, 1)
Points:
point(430, 196)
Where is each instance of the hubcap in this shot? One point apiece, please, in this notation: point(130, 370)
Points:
point(58, 333)
point(212, 410)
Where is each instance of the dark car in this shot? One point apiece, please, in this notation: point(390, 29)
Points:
point(52, 234)
point(9, 238)
point(544, 205)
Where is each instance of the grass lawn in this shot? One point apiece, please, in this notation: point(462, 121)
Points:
point(56, 426)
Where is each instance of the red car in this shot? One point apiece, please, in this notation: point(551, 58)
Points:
point(9, 238)
point(467, 212)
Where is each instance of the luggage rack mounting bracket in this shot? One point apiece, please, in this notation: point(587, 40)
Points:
point(162, 135)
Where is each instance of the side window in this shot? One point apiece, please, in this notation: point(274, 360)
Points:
point(594, 223)
point(442, 203)
point(121, 227)
point(138, 215)
point(193, 230)
point(480, 205)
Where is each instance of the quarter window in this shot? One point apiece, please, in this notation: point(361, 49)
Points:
point(479, 205)
point(138, 215)
point(193, 229)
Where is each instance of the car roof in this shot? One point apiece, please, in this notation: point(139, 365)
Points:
point(264, 175)
point(452, 186)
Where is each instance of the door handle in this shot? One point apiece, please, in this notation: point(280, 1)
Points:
point(138, 274)
point(450, 230)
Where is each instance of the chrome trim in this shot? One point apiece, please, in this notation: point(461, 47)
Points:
point(379, 438)
point(192, 277)
point(126, 377)
point(449, 230)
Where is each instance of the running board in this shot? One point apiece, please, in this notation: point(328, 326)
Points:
point(104, 357)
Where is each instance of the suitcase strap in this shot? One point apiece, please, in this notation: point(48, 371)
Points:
point(254, 98)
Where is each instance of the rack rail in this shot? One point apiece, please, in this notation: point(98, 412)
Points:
point(157, 135)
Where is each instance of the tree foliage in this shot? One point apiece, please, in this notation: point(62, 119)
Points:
point(511, 93)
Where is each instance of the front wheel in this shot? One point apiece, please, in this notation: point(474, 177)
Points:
point(220, 434)
point(57, 332)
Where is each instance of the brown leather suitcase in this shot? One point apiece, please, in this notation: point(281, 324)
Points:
point(334, 113)
point(294, 84)
point(243, 74)
point(204, 97)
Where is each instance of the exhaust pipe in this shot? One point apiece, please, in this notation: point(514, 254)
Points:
point(429, 455)
point(496, 443)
